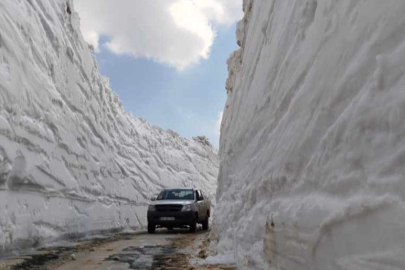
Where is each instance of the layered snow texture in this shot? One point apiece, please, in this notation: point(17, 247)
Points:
point(71, 159)
point(312, 152)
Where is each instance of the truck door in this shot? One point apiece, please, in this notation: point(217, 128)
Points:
point(202, 214)
point(206, 204)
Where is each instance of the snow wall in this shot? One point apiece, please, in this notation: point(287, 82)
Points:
point(312, 148)
point(71, 159)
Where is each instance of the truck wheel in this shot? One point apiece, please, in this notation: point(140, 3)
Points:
point(193, 226)
point(151, 228)
point(205, 224)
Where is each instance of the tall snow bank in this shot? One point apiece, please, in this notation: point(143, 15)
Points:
point(71, 159)
point(313, 137)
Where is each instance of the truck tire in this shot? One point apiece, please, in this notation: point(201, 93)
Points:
point(193, 226)
point(151, 228)
point(205, 223)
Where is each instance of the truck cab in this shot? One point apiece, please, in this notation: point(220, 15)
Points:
point(178, 208)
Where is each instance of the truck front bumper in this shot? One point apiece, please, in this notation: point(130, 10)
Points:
point(178, 219)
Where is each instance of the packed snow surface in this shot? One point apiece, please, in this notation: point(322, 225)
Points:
point(312, 146)
point(71, 159)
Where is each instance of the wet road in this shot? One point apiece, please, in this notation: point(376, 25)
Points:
point(164, 250)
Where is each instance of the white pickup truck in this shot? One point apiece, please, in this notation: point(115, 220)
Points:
point(175, 208)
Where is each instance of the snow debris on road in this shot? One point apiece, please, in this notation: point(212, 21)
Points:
point(313, 139)
point(71, 159)
point(227, 258)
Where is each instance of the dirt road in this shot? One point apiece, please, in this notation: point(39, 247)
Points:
point(176, 249)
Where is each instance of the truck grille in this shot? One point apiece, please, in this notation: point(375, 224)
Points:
point(169, 208)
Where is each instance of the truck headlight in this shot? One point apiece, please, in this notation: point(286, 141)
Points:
point(151, 208)
point(187, 208)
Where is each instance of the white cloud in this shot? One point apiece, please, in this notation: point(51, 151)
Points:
point(186, 114)
point(177, 33)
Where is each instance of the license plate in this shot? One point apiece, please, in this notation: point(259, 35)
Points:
point(167, 218)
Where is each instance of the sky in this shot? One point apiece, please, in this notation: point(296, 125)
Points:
point(166, 59)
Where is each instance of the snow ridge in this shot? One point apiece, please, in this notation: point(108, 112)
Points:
point(312, 139)
point(71, 159)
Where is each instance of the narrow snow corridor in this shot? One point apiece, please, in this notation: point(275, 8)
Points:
point(72, 161)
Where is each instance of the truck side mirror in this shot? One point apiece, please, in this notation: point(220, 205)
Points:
point(200, 198)
point(153, 199)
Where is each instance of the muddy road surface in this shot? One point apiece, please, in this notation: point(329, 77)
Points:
point(165, 249)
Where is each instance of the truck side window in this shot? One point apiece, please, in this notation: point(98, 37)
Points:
point(199, 196)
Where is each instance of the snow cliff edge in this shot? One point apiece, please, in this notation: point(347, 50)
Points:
point(312, 141)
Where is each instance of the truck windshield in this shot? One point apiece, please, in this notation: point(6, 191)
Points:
point(176, 194)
